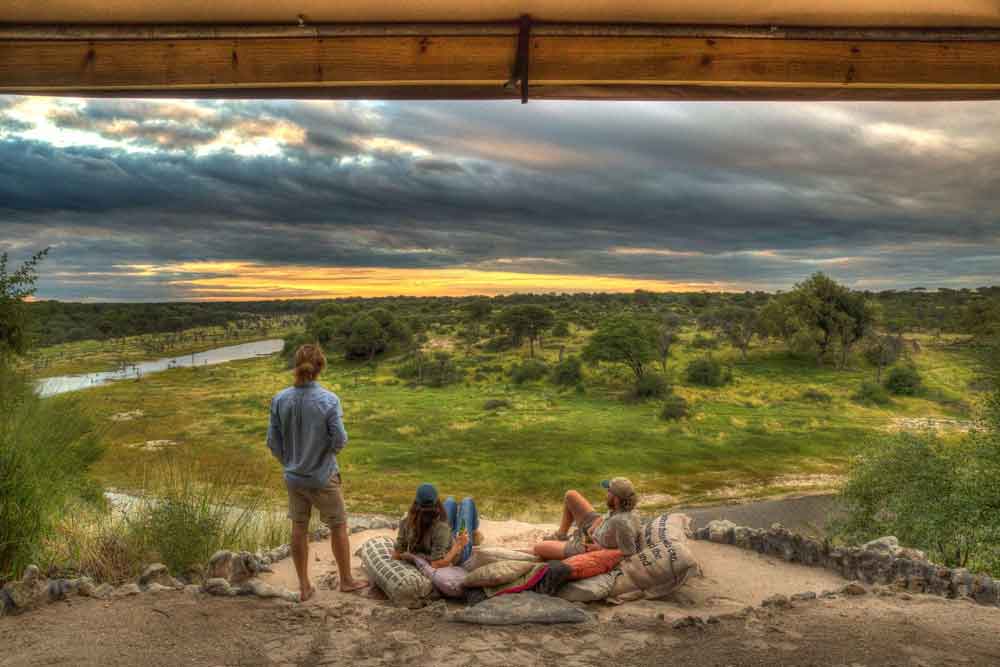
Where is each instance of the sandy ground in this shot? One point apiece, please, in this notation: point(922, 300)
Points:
point(176, 628)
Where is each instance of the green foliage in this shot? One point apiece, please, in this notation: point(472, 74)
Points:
point(884, 350)
point(737, 324)
point(622, 340)
point(708, 372)
point(942, 497)
point(871, 393)
point(830, 313)
point(567, 372)
point(46, 449)
point(529, 370)
point(904, 381)
point(649, 385)
point(359, 336)
point(430, 370)
point(526, 321)
point(702, 342)
point(816, 396)
point(497, 404)
point(674, 408)
point(561, 329)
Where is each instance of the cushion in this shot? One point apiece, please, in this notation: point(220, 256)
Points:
point(593, 563)
point(402, 582)
point(485, 555)
point(497, 574)
point(592, 589)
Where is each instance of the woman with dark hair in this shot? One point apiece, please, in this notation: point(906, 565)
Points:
point(439, 533)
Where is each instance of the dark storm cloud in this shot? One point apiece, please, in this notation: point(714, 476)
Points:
point(758, 195)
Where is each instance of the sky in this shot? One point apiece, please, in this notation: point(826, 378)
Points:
point(152, 200)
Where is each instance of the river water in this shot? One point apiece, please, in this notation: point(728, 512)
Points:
point(64, 383)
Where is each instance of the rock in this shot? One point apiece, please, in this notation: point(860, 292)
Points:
point(886, 545)
point(217, 586)
point(60, 589)
point(984, 589)
point(701, 533)
point(103, 591)
point(157, 573)
point(6, 604)
point(807, 595)
point(86, 587)
point(220, 565)
point(522, 608)
point(157, 587)
point(192, 588)
point(127, 589)
point(721, 531)
point(854, 588)
point(23, 594)
point(688, 622)
point(777, 601)
point(265, 590)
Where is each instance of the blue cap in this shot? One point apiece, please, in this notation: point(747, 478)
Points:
point(427, 495)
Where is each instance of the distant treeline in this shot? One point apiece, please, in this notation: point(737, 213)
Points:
point(917, 310)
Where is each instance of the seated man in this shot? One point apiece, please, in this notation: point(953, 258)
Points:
point(619, 528)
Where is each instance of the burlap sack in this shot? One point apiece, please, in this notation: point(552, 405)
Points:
point(590, 589)
point(657, 571)
point(672, 527)
point(498, 573)
point(402, 582)
point(485, 555)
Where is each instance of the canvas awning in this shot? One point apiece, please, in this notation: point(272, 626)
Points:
point(610, 49)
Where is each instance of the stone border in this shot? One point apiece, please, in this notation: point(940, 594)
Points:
point(226, 574)
point(880, 561)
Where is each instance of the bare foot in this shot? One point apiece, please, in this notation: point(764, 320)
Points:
point(353, 585)
point(306, 593)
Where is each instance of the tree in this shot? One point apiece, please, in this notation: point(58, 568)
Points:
point(14, 289)
point(666, 337)
point(622, 340)
point(526, 321)
point(855, 320)
point(831, 313)
point(778, 320)
point(477, 311)
point(737, 324)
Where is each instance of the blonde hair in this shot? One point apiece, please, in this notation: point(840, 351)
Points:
point(309, 363)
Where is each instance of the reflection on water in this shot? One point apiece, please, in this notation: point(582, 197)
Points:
point(65, 383)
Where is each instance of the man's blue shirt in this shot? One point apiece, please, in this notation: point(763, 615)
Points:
point(305, 433)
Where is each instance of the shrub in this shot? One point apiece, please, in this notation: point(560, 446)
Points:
point(567, 372)
point(700, 342)
point(497, 344)
point(870, 393)
point(292, 343)
point(674, 407)
point(903, 381)
point(650, 385)
point(560, 330)
point(46, 448)
point(816, 396)
point(434, 370)
point(528, 371)
point(496, 404)
point(708, 372)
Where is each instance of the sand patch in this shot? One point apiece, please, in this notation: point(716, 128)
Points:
point(127, 416)
point(407, 430)
point(153, 445)
point(898, 424)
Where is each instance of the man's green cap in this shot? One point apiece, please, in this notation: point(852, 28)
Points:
point(619, 486)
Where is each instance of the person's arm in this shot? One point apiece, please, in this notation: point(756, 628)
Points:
point(274, 440)
point(335, 427)
point(449, 557)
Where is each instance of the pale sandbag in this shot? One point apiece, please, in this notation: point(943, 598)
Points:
point(402, 582)
point(497, 574)
point(657, 571)
point(666, 527)
point(591, 588)
point(485, 555)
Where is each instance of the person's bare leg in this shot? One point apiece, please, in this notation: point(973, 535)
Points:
point(341, 545)
point(300, 556)
point(575, 508)
point(550, 550)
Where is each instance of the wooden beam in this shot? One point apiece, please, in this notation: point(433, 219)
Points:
point(472, 66)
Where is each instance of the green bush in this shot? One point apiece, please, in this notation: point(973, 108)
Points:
point(650, 385)
point(496, 404)
point(904, 381)
point(816, 396)
point(707, 372)
point(431, 370)
point(560, 330)
point(674, 408)
point(567, 372)
point(292, 344)
point(529, 370)
point(46, 448)
point(701, 342)
point(870, 393)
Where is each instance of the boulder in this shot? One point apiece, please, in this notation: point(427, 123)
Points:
point(157, 573)
point(127, 589)
point(220, 565)
point(721, 531)
point(522, 608)
point(854, 588)
point(806, 595)
point(23, 594)
point(264, 590)
point(777, 600)
point(218, 586)
point(984, 589)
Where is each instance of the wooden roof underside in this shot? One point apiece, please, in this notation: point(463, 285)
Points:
point(608, 49)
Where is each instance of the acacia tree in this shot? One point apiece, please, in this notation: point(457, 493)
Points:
point(526, 321)
point(622, 340)
point(666, 337)
point(737, 324)
point(831, 313)
point(477, 311)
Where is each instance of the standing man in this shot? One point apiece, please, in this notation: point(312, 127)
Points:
point(305, 433)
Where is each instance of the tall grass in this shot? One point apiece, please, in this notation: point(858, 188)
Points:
point(46, 447)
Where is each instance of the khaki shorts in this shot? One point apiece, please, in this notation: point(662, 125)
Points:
point(329, 500)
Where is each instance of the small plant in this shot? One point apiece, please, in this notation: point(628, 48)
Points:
point(567, 372)
point(904, 381)
point(528, 371)
point(560, 330)
point(701, 342)
point(870, 393)
point(650, 385)
point(497, 404)
point(674, 408)
point(708, 372)
point(816, 396)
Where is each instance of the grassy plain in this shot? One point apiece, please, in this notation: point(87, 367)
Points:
point(757, 436)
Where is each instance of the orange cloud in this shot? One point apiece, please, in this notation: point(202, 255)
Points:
point(228, 281)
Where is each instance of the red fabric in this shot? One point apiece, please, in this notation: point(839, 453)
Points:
point(528, 585)
point(593, 563)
